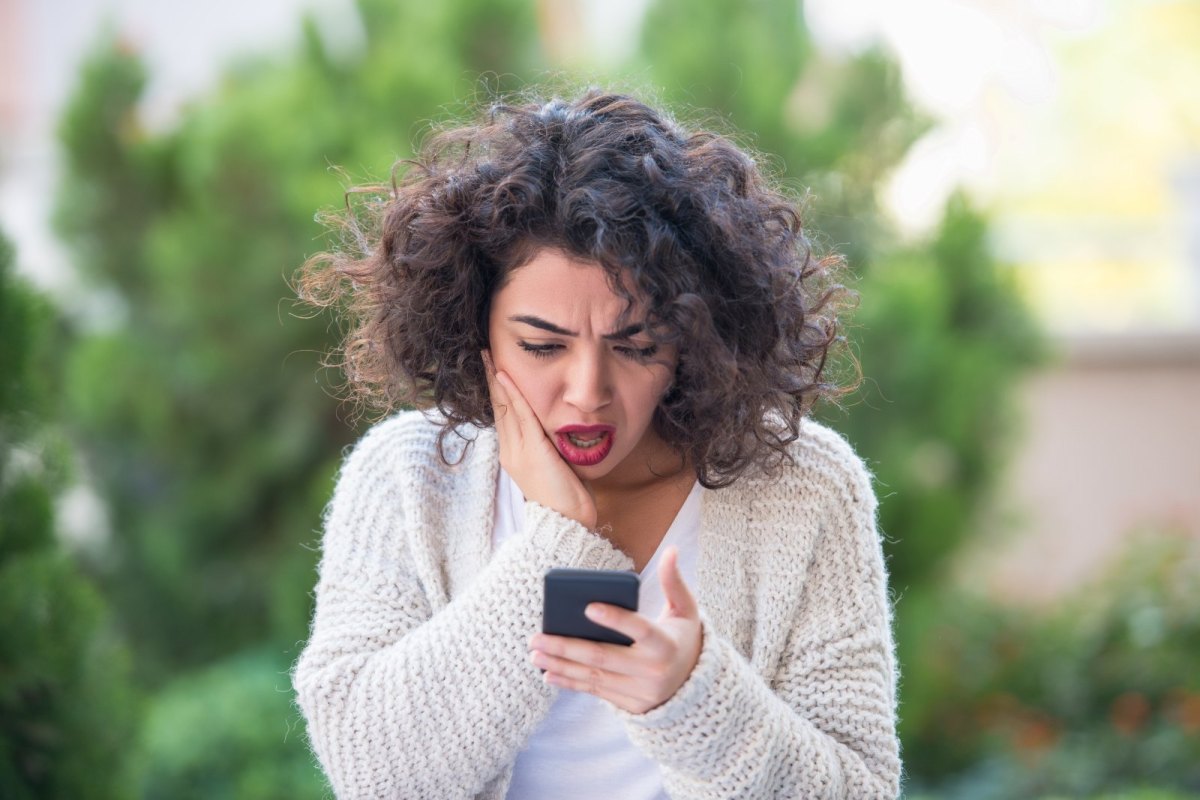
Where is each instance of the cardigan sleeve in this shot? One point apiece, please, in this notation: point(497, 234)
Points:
point(404, 702)
point(823, 725)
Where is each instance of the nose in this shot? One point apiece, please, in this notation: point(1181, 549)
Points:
point(588, 383)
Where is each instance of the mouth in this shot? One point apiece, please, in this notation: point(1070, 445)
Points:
point(585, 445)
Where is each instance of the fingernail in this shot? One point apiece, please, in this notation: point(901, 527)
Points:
point(595, 612)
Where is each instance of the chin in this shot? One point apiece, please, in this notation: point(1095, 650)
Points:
point(594, 471)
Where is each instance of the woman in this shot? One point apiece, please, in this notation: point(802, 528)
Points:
point(615, 330)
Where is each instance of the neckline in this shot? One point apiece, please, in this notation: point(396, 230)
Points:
point(688, 509)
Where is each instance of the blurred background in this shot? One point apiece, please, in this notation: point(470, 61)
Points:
point(1016, 185)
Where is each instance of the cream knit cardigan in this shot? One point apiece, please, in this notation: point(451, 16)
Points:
point(416, 681)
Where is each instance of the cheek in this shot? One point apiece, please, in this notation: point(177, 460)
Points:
point(648, 396)
point(533, 384)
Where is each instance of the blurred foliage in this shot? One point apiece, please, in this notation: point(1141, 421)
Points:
point(223, 733)
point(67, 704)
point(943, 338)
point(835, 128)
point(1101, 693)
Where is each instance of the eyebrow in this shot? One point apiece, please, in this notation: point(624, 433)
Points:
point(538, 322)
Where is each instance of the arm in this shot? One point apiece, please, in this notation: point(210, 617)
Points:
point(823, 727)
point(401, 701)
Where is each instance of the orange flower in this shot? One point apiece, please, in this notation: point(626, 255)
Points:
point(1129, 712)
point(1034, 733)
point(1183, 709)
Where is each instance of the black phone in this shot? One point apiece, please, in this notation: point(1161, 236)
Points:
point(568, 592)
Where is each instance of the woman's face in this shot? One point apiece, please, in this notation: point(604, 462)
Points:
point(552, 328)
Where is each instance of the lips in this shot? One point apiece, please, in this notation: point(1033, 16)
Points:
point(585, 445)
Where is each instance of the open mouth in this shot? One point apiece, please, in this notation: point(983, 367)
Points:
point(585, 443)
point(585, 446)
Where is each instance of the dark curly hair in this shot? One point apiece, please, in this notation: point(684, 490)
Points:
point(688, 218)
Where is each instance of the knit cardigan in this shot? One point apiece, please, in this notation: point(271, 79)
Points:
point(416, 681)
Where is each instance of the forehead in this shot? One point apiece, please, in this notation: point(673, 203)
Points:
point(552, 280)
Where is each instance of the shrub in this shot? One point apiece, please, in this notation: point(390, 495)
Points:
point(1103, 692)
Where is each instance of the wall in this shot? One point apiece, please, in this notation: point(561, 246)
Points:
point(1111, 446)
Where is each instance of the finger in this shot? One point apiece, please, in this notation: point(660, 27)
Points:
point(600, 686)
point(524, 415)
point(494, 389)
point(489, 367)
point(594, 678)
point(603, 656)
point(507, 425)
point(680, 602)
point(582, 678)
point(621, 620)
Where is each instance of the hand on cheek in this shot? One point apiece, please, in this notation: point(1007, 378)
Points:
point(528, 455)
point(643, 675)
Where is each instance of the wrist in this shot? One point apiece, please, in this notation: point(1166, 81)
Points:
point(567, 542)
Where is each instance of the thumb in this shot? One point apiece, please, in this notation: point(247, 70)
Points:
point(680, 602)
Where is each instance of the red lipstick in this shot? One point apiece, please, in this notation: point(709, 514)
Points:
point(585, 445)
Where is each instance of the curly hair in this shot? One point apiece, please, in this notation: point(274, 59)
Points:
point(688, 218)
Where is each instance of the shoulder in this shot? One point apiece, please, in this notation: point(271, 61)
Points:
point(821, 464)
point(821, 493)
point(405, 446)
point(825, 455)
point(395, 439)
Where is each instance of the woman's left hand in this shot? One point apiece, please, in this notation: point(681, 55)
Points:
point(640, 676)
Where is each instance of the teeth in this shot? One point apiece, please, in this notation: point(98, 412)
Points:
point(585, 442)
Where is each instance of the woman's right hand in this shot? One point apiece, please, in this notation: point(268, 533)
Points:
point(528, 455)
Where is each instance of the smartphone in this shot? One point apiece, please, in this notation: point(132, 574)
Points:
point(568, 592)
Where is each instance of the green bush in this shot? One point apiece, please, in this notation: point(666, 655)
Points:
point(227, 732)
point(1101, 693)
point(67, 707)
point(944, 337)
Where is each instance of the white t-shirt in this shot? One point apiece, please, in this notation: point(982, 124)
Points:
point(580, 750)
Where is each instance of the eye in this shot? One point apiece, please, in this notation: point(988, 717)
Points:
point(539, 350)
point(638, 353)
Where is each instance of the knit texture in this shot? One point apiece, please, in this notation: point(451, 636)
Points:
point(416, 683)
